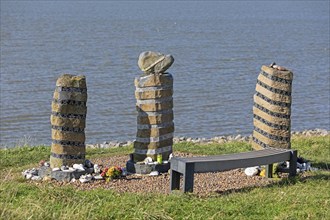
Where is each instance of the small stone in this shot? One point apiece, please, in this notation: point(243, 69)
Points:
point(56, 169)
point(41, 163)
point(124, 172)
point(98, 177)
point(47, 164)
point(28, 176)
point(112, 143)
point(90, 170)
point(88, 164)
point(238, 137)
point(78, 167)
point(90, 146)
point(154, 173)
point(73, 180)
point(85, 178)
point(36, 178)
point(97, 169)
point(46, 178)
point(67, 171)
point(64, 168)
point(182, 138)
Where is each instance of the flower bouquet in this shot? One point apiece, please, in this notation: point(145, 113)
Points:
point(110, 173)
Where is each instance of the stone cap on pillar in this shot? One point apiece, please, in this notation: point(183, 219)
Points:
point(154, 62)
point(68, 80)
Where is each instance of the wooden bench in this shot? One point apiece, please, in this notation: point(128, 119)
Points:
point(188, 166)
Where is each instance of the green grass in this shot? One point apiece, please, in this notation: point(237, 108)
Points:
point(299, 198)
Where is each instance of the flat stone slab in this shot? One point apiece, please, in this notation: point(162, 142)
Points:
point(60, 175)
point(146, 168)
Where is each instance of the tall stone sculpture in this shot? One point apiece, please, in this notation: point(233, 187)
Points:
point(154, 103)
point(272, 108)
point(68, 121)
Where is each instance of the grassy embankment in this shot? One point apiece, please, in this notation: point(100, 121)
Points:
point(300, 198)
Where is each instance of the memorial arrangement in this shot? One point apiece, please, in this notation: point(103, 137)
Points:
point(153, 146)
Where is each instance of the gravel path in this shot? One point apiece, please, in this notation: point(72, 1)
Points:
point(205, 184)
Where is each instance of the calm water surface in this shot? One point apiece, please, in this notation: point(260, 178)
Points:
point(218, 48)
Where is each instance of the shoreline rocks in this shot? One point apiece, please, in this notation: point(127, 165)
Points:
point(198, 140)
point(218, 139)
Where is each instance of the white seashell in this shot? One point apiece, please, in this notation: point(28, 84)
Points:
point(170, 157)
point(56, 169)
point(47, 164)
point(28, 176)
point(165, 161)
point(148, 160)
point(251, 171)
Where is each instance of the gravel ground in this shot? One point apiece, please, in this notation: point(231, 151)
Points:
point(205, 184)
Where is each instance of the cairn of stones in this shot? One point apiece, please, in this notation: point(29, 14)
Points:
point(154, 104)
point(272, 108)
point(68, 121)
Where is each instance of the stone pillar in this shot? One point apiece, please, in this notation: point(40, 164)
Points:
point(272, 108)
point(68, 121)
point(155, 125)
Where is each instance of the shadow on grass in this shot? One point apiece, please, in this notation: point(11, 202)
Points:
point(321, 165)
point(286, 181)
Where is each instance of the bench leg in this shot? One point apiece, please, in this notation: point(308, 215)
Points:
point(175, 180)
point(269, 170)
point(188, 178)
point(293, 164)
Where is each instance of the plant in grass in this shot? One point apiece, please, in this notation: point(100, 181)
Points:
point(110, 173)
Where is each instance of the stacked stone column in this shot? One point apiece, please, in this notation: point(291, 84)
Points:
point(155, 125)
point(272, 108)
point(68, 121)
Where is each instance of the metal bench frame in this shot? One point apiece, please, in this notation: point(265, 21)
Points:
point(188, 166)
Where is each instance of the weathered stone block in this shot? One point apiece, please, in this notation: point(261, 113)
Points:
point(154, 132)
point(154, 107)
point(154, 80)
point(155, 119)
point(153, 94)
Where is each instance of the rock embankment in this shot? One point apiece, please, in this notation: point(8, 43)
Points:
point(217, 139)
